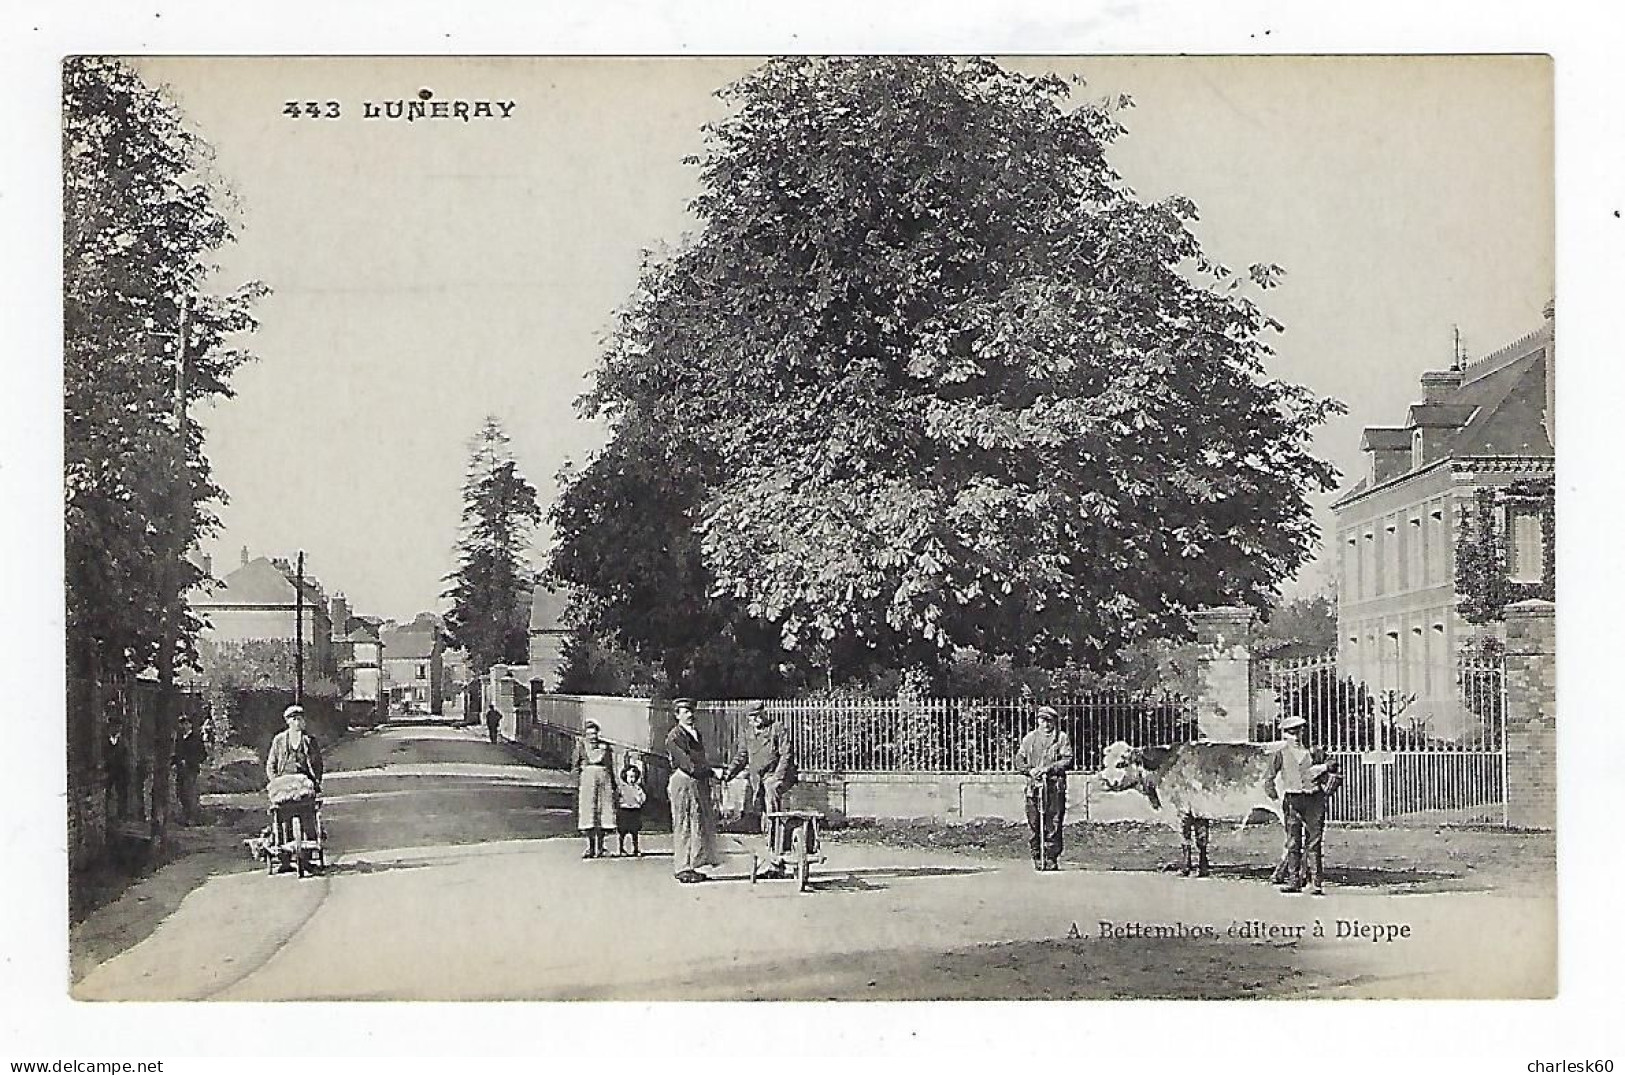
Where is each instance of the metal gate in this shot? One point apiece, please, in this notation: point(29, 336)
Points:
point(1411, 741)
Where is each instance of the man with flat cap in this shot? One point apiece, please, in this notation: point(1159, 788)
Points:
point(1044, 756)
point(767, 759)
point(1305, 779)
point(693, 812)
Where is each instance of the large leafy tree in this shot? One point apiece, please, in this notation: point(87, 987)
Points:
point(930, 376)
point(144, 338)
point(490, 589)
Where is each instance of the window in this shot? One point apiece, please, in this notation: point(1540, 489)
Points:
point(1526, 560)
point(1418, 456)
point(1422, 653)
point(1416, 554)
point(423, 671)
point(1439, 546)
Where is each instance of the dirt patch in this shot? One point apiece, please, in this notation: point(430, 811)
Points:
point(1413, 859)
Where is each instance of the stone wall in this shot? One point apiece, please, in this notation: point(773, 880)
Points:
point(1531, 715)
point(1224, 692)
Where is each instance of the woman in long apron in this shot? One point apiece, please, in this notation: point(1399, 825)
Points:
point(693, 810)
point(595, 802)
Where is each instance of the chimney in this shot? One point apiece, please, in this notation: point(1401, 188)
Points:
point(245, 555)
point(208, 565)
point(339, 609)
point(1439, 385)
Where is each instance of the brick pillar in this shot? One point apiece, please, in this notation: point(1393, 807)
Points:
point(1224, 673)
point(1531, 715)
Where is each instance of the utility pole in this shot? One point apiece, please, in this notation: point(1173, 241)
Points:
point(180, 514)
point(299, 631)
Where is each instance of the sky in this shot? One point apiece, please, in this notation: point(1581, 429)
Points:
point(425, 275)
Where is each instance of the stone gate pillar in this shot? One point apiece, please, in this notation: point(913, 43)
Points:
point(1224, 663)
point(1530, 724)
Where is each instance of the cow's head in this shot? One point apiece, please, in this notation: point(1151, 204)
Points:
point(1122, 767)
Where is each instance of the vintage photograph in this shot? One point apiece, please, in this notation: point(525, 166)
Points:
point(837, 528)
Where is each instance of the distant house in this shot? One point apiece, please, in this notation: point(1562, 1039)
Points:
point(259, 603)
point(359, 652)
point(548, 635)
point(1472, 450)
point(414, 673)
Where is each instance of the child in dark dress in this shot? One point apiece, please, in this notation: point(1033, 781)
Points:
point(629, 806)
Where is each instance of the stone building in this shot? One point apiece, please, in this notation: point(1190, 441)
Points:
point(414, 670)
point(1468, 452)
point(548, 634)
point(258, 603)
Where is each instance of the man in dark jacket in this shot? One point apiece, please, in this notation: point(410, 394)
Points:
point(116, 766)
point(1043, 757)
point(767, 758)
point(493, 722)
point(188, 762)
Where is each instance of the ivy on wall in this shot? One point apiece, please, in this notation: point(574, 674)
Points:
point(1484, 587)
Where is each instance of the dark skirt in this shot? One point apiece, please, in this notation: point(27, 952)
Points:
point(628, 820)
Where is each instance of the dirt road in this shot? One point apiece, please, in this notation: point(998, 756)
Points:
point(446, 885)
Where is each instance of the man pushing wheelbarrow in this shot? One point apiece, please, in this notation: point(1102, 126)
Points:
point(293, 771)
point(767, 759)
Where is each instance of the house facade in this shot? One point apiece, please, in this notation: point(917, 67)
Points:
point(257, 603)
point(359, 652)
point(548, 635)
point(413, 668)
point(1467, 458)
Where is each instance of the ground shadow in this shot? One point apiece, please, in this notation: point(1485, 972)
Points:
point(866, 879)
point(1343, 876)
point(362, 866)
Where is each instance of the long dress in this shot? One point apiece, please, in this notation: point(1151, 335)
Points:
point(595, 802)
point(693, 811)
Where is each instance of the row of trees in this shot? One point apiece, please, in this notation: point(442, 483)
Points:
point(929, 387)
point(145, 336)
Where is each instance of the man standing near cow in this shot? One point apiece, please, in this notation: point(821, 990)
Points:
point(767, 759)
point(1044, 756)
point(1304, 784)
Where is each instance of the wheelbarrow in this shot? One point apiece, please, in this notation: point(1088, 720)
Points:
point(798, 830)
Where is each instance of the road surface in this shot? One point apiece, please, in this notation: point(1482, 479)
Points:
point(457, 875)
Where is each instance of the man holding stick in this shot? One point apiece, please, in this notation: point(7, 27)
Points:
point(1044, 756)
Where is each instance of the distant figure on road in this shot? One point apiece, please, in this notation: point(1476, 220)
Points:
point(630, 798)
point(693, 811)
point(116, 767)
point(1044, 756)
point(594, 764)
point(493, 722)
point(767, 759)
point(188, 762)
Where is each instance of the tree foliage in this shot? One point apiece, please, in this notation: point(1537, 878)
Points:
point(931, 376)
point(143, 218)
point(490, 589)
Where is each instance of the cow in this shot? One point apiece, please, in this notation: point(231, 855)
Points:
point(1191, 785)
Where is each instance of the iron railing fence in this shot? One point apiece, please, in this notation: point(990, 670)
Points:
point(954, 735)
point(1409, 737)
point(1386, 706)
